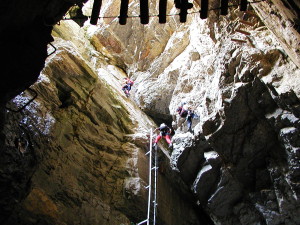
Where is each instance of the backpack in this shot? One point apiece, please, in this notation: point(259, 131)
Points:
point(184, 111)
point(179, 109)
point(164, 130)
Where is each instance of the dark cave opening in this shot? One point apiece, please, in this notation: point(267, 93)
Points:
point(159, 118)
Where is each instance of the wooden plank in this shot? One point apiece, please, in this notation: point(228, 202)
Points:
point(144, 11)
point(95, 12)
point(242, 31)
point(123, 12)
point(243, 5)
point(204, 9)
point(224, 7)
point(162, 16)
point(252, 13)
point(247, 22)
point(238, 40)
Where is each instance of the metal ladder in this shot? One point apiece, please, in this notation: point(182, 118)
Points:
point(152, 186)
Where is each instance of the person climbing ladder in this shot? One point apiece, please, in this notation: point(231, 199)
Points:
point(127, 86)
point(165, 132)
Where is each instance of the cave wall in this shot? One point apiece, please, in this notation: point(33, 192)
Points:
point(161, 49)
point(25, 28)
point(239, 163)
point(242, 163)
point(76, 154)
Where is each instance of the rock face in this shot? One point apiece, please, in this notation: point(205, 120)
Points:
point(79, 148)
point(282, 18)
point(76, 153)
point(240, 91)
point(239, 162)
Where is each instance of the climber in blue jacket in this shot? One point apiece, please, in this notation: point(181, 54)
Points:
point(127, 86)
point(189, 118)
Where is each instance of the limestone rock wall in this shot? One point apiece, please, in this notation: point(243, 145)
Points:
point(239, 163)
point(164, 52)
point(76, 154)
point(282, 18)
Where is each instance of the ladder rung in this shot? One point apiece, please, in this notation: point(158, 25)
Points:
point(147, 186)
point(154, 168)
point(147, 153)
point(238, 40)
point(142, 222)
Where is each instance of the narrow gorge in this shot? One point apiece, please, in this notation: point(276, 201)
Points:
point(74, 147)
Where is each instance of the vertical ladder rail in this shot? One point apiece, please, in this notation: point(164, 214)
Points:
point(150, 179)
point(155, 186)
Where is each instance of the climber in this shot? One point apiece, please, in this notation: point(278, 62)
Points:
point(178, 110)
point(127, 86)
point(165, 132)
point(182, 112)
point(190, 115)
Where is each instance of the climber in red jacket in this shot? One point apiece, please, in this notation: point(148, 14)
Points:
point(165, 132)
